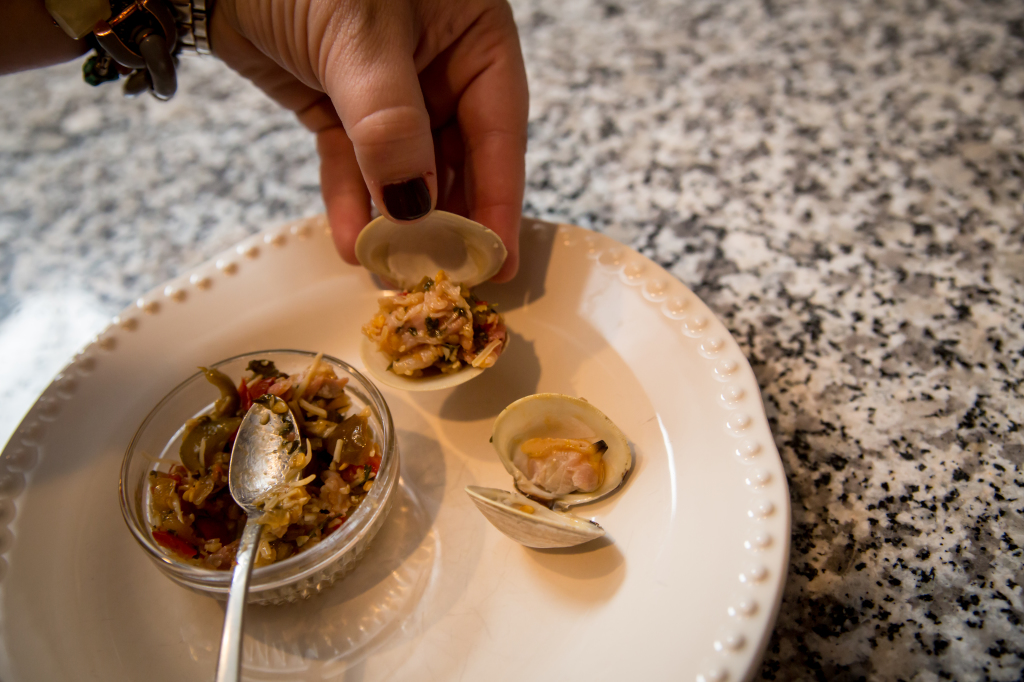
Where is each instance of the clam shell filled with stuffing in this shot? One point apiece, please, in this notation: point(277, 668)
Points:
point(561, 452)
point(432, 333)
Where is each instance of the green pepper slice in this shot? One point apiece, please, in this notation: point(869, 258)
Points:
point(229, 401)
point(217, 433)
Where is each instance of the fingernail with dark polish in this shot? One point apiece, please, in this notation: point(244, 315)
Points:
point(407, 200)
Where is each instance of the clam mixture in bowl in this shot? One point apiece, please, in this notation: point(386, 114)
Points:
point(336, 458)
point(433, 333)
point(315, 527)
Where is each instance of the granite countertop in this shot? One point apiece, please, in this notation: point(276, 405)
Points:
point(840, 182)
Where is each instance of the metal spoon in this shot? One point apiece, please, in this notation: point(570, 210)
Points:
point(266, 441)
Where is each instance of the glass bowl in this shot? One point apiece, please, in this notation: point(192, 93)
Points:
point(302, 575)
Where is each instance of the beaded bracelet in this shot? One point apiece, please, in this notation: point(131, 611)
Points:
point(139, 39)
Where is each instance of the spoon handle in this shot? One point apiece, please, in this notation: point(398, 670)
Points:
point(229, 663)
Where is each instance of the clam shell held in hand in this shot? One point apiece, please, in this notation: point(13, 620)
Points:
point(550, 415)
point(405, 253)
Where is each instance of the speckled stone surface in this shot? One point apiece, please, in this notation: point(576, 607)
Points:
point(841, 182)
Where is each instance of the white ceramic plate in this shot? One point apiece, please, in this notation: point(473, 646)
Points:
point(685, 586)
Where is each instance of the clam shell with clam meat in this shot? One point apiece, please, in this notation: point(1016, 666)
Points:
point(561, 452)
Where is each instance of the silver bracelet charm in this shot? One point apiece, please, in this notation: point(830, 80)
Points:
point(193, 20)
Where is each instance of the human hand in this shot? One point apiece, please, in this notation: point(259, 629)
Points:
point(416, 104)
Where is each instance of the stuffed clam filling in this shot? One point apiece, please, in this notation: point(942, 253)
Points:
point(437, 327)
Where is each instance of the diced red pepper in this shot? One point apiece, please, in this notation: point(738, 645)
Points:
point(374, 463)
point(260, 388)
point(174, 543)
point(350, 473)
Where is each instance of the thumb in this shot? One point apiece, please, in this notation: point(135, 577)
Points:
point(373, 82)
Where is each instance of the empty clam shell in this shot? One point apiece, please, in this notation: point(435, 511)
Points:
point(405, 253)
point(529, 523)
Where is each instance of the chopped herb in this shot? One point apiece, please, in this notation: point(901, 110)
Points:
point(433, 326)
point(425, 285)
point(451, 352)
point(460, 311)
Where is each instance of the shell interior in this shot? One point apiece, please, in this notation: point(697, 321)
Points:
point(538, 526)
point(405, 253)
point(560, 416)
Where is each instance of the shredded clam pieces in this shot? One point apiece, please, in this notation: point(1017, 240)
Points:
point(192, 512)
point(437, 327)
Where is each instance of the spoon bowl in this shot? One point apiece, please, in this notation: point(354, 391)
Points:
point(261, 458)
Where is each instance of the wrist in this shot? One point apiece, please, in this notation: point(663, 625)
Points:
point(35, 40)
